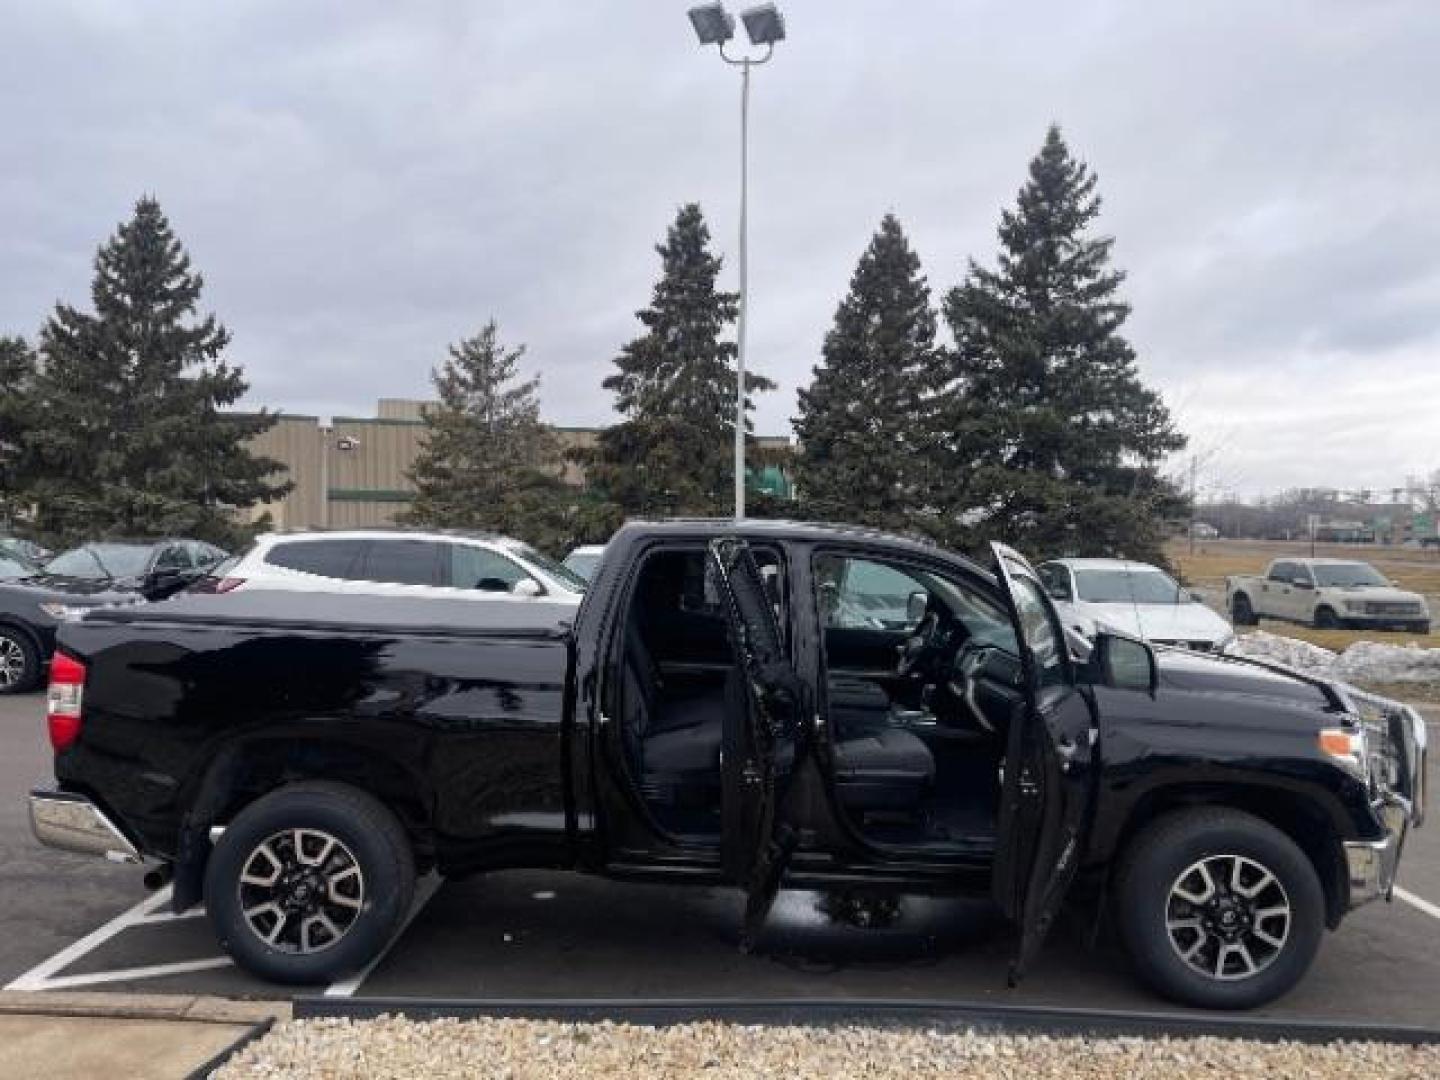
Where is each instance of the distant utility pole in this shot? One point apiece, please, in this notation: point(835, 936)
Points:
point(1194, 468)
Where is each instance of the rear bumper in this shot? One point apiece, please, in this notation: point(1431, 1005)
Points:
point(71, 822)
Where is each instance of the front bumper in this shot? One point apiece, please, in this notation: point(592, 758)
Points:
point(1397, 784)
point(71, 822)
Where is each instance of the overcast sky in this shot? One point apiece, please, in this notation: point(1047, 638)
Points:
point(362, 183)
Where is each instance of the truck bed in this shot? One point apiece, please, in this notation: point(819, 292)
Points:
point(456, 709)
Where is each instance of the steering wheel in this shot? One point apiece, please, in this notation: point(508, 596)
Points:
point(919, 645)
point(966, 668)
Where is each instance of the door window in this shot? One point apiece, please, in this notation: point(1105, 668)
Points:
point(1282, 571)
point(860, 594)
point(174, 557)
point(1041, 633)
point(478, 568)
point(327, 558)
point(402, 562)
point(1056, 580)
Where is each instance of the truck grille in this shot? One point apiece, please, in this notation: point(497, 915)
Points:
point(1397, 755)
point(1391, 607)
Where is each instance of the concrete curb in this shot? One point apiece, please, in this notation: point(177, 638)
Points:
point(192, 1007)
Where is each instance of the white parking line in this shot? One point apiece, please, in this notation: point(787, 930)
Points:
point(425, 888)
point(1416, 902)
point(38, 977)
point(183, 967)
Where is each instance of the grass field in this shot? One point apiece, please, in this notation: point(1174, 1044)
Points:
point(1215, 560)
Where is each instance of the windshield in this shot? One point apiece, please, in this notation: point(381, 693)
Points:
point(583, 563)
point(99, 561)
point(1351, 575)
point(1128, 587)
point(13, 568)
point(559, 571)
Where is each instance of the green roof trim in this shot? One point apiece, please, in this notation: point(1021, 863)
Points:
point(385, 495)
point(382, 421)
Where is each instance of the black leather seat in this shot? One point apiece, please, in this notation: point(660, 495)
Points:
point(675, 742)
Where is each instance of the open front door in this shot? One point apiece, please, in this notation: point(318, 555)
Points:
point(765, 700)
point(1050, 767)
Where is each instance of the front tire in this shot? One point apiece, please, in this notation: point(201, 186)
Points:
point(309, 883)
point(1326, 619)
point(1420, 628)
point(19, 661)
point(1219, 909)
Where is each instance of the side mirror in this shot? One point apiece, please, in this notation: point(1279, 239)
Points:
point(1196, 597)
point(916, 605)
point(1123, 663)
point(526, 587)
point(1058, 592)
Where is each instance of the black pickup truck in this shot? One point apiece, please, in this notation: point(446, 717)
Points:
point(759, 703)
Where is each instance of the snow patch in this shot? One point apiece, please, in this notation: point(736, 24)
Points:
point(1364, 661)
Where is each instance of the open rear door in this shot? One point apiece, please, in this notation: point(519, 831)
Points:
point(1050, 767)
point(765, 701)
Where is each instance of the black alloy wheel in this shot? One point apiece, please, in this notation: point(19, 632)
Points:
point(1218, 908)
point(19, 661)
point(310, 882)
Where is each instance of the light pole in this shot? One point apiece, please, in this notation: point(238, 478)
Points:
point(764, 25)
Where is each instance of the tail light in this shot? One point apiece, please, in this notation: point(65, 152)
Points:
point(225, 584)
point(63, 701)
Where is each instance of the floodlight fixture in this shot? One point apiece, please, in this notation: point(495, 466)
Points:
point(713, 24)
point(764, 24)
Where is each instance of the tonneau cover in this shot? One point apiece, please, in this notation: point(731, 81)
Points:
point(347, 612)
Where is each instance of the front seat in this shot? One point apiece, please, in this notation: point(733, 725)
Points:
point(885, 768)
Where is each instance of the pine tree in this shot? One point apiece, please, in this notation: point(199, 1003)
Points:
point(675, 389)
point(17, 385)
point(861, 456)
point(487, 461)
point(1045, 434)
point(130, 438)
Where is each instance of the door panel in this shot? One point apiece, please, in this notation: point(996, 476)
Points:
point(767, 700)
point(1051, 768)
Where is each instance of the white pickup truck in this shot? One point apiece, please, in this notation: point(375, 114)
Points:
point(1326, 592)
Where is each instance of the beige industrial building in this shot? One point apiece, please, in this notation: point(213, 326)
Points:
point(353, 473)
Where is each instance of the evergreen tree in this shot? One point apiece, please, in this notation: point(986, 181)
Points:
point(861, 456)
point(487, 461)
point(1045, 435)
point(17, 385)
point(675, 389)
point(130, 438)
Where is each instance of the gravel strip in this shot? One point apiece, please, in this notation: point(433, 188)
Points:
point(395, 1047)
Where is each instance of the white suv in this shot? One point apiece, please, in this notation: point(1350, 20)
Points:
point(381, 562)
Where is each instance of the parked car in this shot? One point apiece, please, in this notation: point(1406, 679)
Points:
point(92, 575)
point(393, 562)
point(1134, 598)
point(1326, 593)
point(296, 760)
point(585, 559)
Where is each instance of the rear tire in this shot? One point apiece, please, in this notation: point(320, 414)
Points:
point(1241, 613)
point(19, 661)
point(309, 883)
point(1243, 950)
point(1326, 619)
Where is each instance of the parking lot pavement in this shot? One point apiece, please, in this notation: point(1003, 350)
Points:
point(543, 934)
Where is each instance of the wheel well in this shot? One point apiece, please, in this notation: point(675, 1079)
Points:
point(241, 774)
point(25, 632)
point(1294, 815)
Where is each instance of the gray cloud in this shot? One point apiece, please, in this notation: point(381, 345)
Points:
point(362, 183)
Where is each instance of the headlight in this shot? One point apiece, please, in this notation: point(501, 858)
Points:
point(1347, 746)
